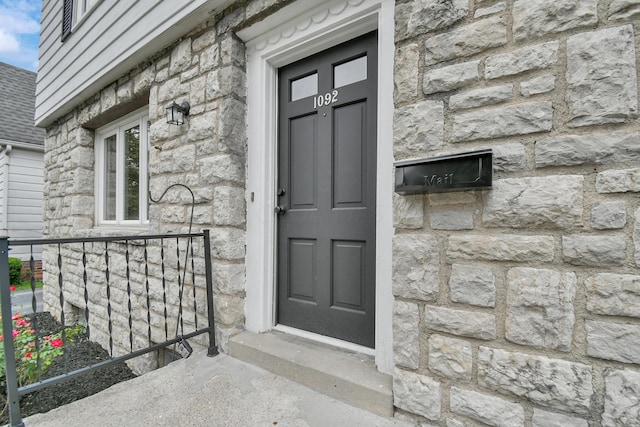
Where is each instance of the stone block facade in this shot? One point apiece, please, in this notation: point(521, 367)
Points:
point(513, 306)
point(533, 319)
point(207, 69)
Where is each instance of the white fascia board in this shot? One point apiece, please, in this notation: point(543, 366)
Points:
point(23, 145)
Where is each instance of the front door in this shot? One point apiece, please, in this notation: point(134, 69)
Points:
point(326, 192)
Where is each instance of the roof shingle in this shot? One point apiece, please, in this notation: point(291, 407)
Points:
point(17, 105)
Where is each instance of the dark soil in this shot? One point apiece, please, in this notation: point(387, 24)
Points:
point(78, 355)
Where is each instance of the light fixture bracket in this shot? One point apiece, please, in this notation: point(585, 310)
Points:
point(176, 113)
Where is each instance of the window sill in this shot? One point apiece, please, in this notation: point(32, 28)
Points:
point(109, 230)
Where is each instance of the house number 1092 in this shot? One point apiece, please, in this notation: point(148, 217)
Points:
point(326, 99)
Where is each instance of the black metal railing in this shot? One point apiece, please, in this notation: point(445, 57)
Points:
point(145, 288)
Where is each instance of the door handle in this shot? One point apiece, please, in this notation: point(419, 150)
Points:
point(280, 210)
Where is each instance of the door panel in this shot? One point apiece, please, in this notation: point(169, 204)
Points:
point(303, 149)
point(349, 155)
point(302, 284)
point(348, 281)
point(327, 158)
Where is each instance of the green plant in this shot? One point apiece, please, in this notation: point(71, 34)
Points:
point(26, 285)
point(15, 270)
point(28, 354)
point(49, 350)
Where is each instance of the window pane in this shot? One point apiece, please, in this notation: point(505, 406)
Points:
point(110, 178)
point(132, 173)
point(303, 87)
point(350, 72)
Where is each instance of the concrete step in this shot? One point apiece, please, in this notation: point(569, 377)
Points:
point(341, 374)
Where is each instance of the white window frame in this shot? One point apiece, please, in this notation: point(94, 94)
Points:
point(82, 9)
point(139, 118)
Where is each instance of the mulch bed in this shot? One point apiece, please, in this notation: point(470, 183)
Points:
point(79, 355)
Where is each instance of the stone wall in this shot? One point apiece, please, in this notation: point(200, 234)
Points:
point(514, 306)
point(206, 68)
point(520, 305)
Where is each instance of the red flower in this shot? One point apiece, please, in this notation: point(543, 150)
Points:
point(27, 355)
point(21, 322)
point(1, 338)
point(12, 288)
point(16, 316)
point(15, 333)
point(56, 343)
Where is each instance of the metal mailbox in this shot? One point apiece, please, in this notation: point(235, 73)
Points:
point(461, 171)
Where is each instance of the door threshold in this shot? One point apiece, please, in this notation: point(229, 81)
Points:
point(334, 342)
point(342, 374)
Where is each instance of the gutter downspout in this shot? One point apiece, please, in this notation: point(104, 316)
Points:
point(4, 218)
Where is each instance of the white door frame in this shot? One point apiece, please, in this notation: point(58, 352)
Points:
point(295, 32)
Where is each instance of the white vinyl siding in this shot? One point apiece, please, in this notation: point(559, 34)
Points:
point(113, 38)
point(24, 201)
point(3, 192)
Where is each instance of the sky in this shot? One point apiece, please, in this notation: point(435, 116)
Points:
point(20, 32)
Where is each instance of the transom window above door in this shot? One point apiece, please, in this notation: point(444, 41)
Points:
point(351, 71)
point(122, 171)
point(348, 72)
point(304, 87)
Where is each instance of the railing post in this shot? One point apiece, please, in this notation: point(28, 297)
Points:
point(13, 398)
point(213, 348)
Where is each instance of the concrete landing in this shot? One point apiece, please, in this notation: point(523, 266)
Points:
point(341, 374)
point(209, 391)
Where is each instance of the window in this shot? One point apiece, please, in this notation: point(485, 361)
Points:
point(82, 8)
point(122, 150)
point(73, 12)
point(304, 86)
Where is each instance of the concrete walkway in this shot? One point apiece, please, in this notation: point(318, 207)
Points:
point(22, 301)
point(203, 391)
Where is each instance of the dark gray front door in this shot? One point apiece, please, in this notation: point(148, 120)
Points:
point(327, 201)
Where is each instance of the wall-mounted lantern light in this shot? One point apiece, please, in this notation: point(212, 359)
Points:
point(176, 113)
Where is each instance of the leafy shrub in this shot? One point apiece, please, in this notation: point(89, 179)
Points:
point(28, 355)
point(15, 270)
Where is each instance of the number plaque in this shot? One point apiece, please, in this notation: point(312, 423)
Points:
point(326, 99)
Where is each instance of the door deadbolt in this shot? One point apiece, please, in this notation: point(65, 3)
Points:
point(280, 210)
point(281, 191)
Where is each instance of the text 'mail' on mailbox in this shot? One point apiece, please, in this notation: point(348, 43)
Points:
point(461, 171)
